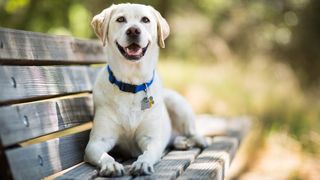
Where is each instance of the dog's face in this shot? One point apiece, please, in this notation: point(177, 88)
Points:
point(131, 29)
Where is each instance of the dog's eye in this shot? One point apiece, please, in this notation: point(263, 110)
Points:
point(145, 20)
point(121, 19)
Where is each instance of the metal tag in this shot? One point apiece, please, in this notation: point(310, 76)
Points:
point(147, 103)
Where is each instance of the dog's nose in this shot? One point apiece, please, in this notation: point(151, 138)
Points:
point(133, 31)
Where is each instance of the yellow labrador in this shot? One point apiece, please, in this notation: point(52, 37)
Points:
point(132, 110)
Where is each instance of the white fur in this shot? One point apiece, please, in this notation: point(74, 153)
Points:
point(119, 119)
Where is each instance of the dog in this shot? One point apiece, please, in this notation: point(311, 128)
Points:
point(132, 110)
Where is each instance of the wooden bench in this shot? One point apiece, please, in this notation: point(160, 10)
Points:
point(46, 113)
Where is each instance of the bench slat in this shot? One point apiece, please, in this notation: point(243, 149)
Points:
point(172, 165)
point(25, 82)
point(22, 47)
point(43, 159)
point(214, 161)
point(86, 171)
point(25, 121)
point(83, 171)
point(210, 164)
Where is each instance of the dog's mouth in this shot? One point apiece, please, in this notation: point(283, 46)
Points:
point(132, 52)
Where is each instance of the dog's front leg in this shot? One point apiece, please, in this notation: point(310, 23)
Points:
point(152, 150)
point(103, 138)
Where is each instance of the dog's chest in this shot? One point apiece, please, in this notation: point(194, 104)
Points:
point(129, 111)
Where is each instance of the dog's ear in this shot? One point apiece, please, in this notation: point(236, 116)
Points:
point(163, 29)
point(100, 23)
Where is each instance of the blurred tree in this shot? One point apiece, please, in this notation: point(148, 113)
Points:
point(303, 53)
point(245, 28)
point(59, 17)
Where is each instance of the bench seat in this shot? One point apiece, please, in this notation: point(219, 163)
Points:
point(46, 114)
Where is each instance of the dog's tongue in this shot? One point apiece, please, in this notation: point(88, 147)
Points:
point(133, 50)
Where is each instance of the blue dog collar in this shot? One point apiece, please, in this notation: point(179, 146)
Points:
point(129, 87)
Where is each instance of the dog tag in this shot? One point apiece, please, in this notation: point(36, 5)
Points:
point(147, 103)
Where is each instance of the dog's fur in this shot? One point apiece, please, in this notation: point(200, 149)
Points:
point(119, 119)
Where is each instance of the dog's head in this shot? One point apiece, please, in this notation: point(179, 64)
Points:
point(130, 29)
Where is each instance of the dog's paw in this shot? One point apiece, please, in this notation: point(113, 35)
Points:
point(112, 169)
point(183, 143)
point(199, 141)
point(141, 168)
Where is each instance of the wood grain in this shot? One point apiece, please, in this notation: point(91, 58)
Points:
point(22, 47)
point(214, 161)
point(41, 160)
point(84, 171)
point(28, 82)
point(172, 165)
point(25, 121)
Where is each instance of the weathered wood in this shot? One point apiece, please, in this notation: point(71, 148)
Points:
point(172, 165)
point(22, 47)
point(113, 178)
point(83, 171)
point(86, 171)
point(214, 161)
point(218, 155)
point(23, 82)
point(43, 159)
point(25, 121)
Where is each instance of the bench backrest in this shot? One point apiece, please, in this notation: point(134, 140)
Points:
point(45, 87)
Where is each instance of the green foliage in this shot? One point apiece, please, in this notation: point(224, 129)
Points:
point(12, 6)
point(79, 18)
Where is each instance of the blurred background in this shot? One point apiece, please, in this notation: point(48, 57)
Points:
point(259, 58)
